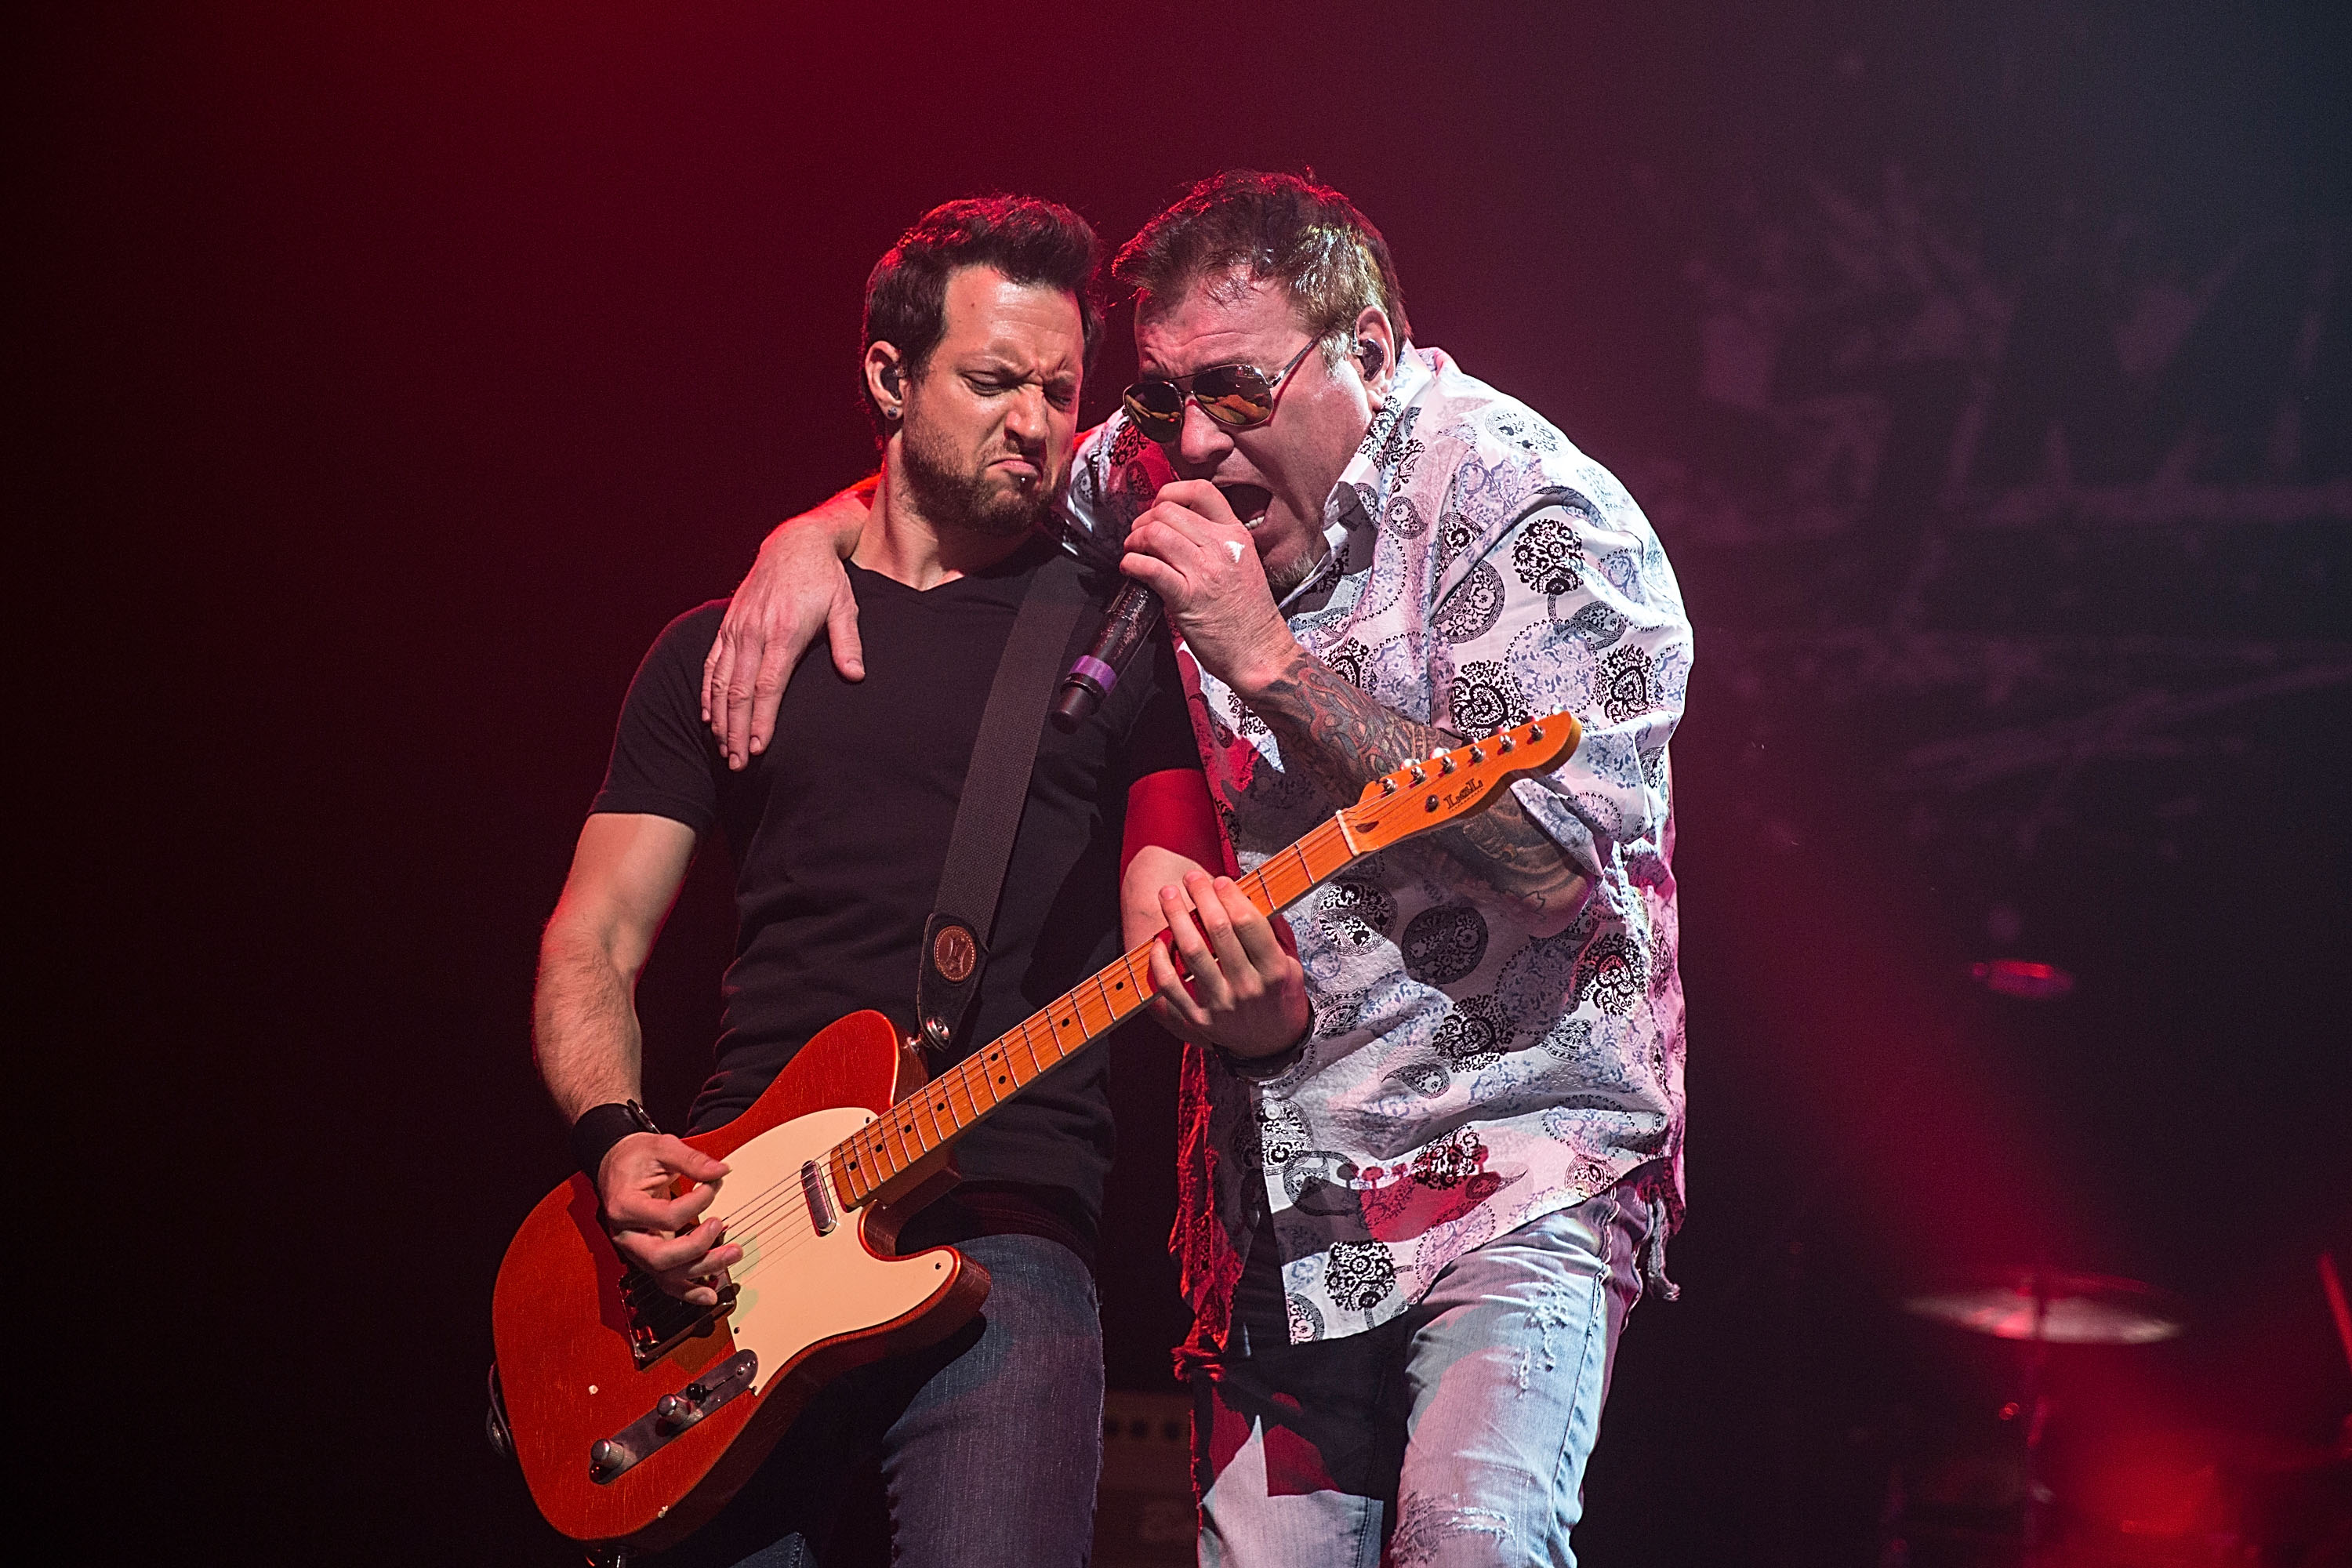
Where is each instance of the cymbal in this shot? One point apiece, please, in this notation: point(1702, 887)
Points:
point(2075, 1308)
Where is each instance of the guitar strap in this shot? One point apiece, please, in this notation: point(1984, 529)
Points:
point(995, 788)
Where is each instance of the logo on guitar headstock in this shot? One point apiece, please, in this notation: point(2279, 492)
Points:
point(1455, 784)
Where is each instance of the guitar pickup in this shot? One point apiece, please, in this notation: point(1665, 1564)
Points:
point(611, 1457)
point(820, 1204)
point(660, 1322)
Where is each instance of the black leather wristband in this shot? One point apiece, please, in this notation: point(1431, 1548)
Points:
point(602, 1126)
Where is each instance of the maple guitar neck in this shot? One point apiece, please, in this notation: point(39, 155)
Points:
point(1453, 785)
point(959, 1098)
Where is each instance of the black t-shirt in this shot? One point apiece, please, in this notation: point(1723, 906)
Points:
point(837, 833)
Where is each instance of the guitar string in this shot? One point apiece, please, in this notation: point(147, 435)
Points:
point(760, 1206)
point(748, 1227)
point(971, 1077)
point(936, 1103)
point(803, 1229)
point(798, 1227)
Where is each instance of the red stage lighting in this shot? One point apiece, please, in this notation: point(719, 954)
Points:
point(2017, 977)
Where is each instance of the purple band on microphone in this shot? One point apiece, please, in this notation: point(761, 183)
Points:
point(1096, 671)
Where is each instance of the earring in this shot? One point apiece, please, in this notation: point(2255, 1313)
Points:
point(1372, 355)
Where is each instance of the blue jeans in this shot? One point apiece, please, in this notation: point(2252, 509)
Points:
point(1455, 1434)
point(990, 1441)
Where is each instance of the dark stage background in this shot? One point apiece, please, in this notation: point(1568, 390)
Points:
point(389, 375)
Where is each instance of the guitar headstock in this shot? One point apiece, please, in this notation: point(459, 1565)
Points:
point(1457, 784)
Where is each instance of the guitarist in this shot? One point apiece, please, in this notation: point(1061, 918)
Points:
point(979, 325)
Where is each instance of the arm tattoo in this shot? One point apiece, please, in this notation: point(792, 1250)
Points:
point(1347, 740)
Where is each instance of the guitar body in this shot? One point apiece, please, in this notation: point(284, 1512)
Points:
point(812, 1303)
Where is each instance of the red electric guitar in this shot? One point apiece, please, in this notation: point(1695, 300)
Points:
point(636, 1416)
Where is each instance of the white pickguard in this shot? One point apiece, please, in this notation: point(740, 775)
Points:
point(798, 1288)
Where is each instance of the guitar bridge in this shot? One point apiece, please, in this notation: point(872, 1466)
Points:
point(609, 1457)
point(659, 1322)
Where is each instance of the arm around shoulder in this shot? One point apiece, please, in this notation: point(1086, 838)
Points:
point(795, 591)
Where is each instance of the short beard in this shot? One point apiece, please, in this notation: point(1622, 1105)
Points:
point(960, 501)
point(1283, 579)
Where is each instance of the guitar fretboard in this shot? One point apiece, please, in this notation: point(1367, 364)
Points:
point(952, 1103)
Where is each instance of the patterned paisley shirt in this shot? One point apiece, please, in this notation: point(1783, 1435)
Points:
point(1470, 1068)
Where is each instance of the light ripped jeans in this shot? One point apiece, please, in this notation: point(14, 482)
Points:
point(1455, 1434)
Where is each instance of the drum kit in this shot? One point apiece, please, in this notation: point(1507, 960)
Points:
point(2197, 1499)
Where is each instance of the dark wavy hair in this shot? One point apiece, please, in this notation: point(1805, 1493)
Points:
point(1286, 227)
point(1030, 241)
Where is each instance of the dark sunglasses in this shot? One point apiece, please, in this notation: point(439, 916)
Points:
point(1237, 396)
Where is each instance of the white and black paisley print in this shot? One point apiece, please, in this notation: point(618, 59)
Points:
point(1453, 536)
point(1486, 698)
point(1397, 449)
point(1548, 557)
point(1443, 945)
point(1336, 1016)
point(1613, 755)
point(1359, 1275)
point(1402, 519)
point(1523, 428)
point(1352, 659)
point(1450, 1161)
point(1601, 811)
point(1317, 1182)
point(1472, 609)
point(1356, 914)
point(1570, 1040)
point(1624, 684)
point(1474, 1033)
point(1597, 626)
point(1423, 1078)
point(1613, 973)
point(1282, 1133)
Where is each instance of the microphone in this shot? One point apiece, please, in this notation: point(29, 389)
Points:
point(1134, 612)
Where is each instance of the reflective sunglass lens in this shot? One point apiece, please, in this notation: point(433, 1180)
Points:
point(1235, 397)
point(1155, 407)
